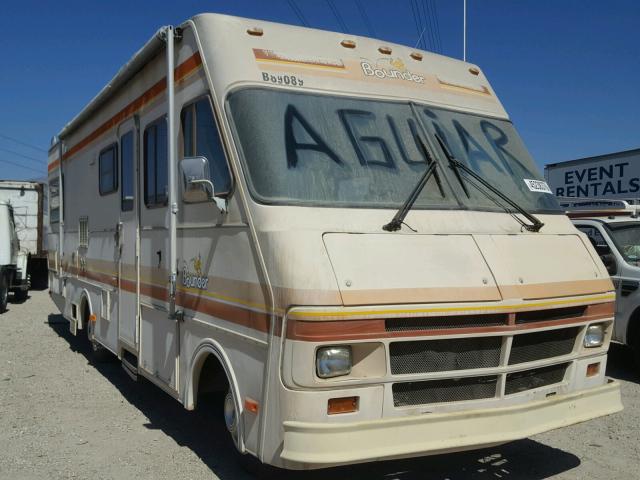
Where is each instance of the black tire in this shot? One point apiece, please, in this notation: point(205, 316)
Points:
point(20, 295)
point(248, 462)
point(257, 469)
point(635, 349)
point(4, 292)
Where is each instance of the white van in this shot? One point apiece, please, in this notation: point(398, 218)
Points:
point(614, 229)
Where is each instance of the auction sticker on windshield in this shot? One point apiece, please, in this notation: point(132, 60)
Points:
point(538, 186)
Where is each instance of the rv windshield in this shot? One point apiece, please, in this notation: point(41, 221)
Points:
point(626, 236)
point(302, 148)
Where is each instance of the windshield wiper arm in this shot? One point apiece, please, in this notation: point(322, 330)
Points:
point(398, 219)
point(536, 224)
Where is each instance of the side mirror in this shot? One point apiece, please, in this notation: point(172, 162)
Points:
point(197, 185)
point(603, 250)
point(610, 263)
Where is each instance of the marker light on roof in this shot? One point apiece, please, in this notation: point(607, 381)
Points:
point(385, 50)
point(348, 44)
point(416, 56)
point(255, 31)
point(474, 71)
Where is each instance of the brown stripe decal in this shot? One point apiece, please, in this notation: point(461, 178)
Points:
point(332, 330)
point(180, 72)
point(231, 313)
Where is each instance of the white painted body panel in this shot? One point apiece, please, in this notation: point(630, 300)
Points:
point(264, 269)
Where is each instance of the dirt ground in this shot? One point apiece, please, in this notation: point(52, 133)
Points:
point(63, 417)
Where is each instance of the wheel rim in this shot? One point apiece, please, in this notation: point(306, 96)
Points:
point(230, 417)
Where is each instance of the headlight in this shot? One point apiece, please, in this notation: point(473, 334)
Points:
point(594, 336)
point(333, 361)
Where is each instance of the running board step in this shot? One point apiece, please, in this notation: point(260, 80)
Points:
point(129, 365)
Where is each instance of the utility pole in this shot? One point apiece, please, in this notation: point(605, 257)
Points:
point(464, 30)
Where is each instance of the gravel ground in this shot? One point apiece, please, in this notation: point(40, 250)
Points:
point(63, 417)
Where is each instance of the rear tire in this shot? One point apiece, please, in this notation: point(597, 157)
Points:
point(4, 292)
point(20, 295)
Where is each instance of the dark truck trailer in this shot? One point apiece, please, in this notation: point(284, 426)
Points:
point(610, 176)
point(29, 202)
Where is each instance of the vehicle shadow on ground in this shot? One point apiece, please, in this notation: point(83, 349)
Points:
point(204, 433)
point(620, 364)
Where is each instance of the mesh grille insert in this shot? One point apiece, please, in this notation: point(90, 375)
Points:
point(441, 391)
point(441, 323)
point(530, 379)
point(530, 347)
point(444, 355)
point(551, 314)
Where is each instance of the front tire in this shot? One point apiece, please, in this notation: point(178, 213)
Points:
point(231, 419)
point(635, 349)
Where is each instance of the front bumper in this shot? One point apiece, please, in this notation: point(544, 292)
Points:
point(321, 445)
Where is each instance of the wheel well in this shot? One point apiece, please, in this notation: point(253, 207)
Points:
point(85, 312)
point(212, 378)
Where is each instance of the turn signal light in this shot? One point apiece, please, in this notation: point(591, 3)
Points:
point(93, 318)
point(593, 369)
point(251, 405)
point(342, 405)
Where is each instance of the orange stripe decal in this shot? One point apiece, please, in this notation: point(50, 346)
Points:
point(180, 72)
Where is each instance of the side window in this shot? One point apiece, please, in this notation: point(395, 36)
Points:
point(108, 170)
point(54, 200)
point(127, 169)
point(594, 235)
point(155, 164)
point(201, 138)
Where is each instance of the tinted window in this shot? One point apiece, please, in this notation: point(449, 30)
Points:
point(155, 164)
point(201, 138)
point(108, 170)
point(594, 235)
point(128, 172)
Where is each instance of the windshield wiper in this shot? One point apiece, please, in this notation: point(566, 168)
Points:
point(398, 219)
point(536, 224)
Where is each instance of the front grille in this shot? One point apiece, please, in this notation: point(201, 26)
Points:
point(444, 391)
point(529, 347)
point(536, 378)
point(445, 322)
point(444, 355)
point(551, 314)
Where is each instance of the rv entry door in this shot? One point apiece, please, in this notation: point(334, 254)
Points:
point(128, 271)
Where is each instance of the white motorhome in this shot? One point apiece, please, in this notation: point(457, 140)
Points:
point(614, 229)
point(13, 260)
point(311, 222)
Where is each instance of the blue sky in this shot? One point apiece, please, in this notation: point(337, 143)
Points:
point(567, 71)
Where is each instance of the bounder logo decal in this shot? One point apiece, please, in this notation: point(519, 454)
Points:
point(195, 278)
point(394, 69)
